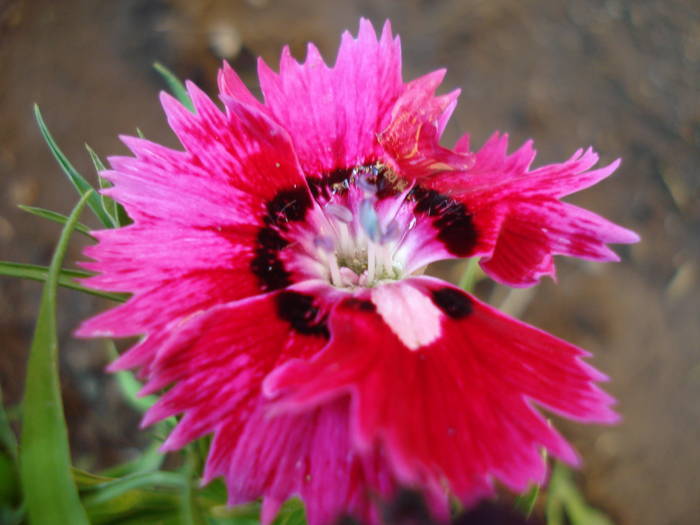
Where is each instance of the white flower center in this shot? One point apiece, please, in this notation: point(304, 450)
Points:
point(359, 239)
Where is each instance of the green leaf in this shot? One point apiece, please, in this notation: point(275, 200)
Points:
point(10, 509)
point(65, 278)
point(129, 385)
point(177, 88)
point(565, 503)
point(82, 185)
point(142, 506)
point(150, 459)
point(525, 503)
point(8, 442)
point(115, 210)
point(108, 204)
point(472, 274)
point(96, 161)
point(114, 488)
point(291, 513)
point(55, 217)
point(86, 480)
point(47, 482)
point(190, 513)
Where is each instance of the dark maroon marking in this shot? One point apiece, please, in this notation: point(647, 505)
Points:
point(337, 182)
point(269, 270)
point(266, 264)
point(454, 303)
point(299, 311)
point(452, 219)
point(288, 206)
point(270, 239)
point(360, 304)
point(325, 185)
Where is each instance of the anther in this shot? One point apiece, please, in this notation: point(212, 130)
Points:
point(339, 211)
point(392, 232)
point(369, 220)
point(325, 243)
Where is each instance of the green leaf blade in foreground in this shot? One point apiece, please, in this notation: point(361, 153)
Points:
point(177, 88)
point(82, 185)
point(65, 278)
point(45, 468)
point(55, 217)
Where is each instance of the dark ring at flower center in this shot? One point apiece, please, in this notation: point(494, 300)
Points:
point(451, 220)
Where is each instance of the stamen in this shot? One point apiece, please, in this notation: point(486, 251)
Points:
point(392, 232)
point(325, 243)
point(339, 211)
point(366, 185)
point(369, 220)
point(371, 263)
point(335, 271)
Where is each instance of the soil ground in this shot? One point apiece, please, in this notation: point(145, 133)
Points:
point(622, 76)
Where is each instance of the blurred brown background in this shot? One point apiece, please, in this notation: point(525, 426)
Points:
point(620, 75)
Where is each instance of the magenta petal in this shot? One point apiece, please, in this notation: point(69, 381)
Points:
point(217, 361)
point(459, 407)
point(309, 455)
point(417, 120)
point(520, 207)
point(534, 231)
point(333, 123)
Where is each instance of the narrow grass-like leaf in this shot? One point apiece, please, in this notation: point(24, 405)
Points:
point(565, 503)
point(11, 512)
point(150, 459)
point(8, 442)
point(108, 204)
point(87, 480)
point(471, 275)
point(65, 278)
point(82, 185)
point(122, 217)
point(129, 385)
point(109, 490)
point(96, 160)
point(291, 513)
point(136, 506)
point(525, 503)
point(190, 513)
point(55, 217)
point(177, 88)
point(50, 494)
point(115, 210)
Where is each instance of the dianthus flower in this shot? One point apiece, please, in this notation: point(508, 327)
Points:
point(276, 271)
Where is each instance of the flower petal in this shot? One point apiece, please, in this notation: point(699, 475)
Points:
point(334, 114)
point(458, 407)
point(528, 224)
point(216, 363)
point(309, 455)
point(417, 121)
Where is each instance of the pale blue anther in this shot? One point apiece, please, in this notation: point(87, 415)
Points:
point(369, 220)
point(325, 243)
point(366, 185)
point(339, 211)
point(392, 232)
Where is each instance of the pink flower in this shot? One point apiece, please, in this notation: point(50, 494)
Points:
point(275, 266)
